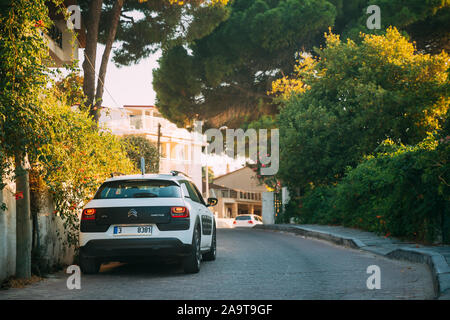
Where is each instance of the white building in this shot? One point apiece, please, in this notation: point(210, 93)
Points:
point(180, 149)
point(60, 40)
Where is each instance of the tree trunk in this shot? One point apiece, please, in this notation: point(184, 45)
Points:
point(90, 52)
point(23, 219)
point(117, 8)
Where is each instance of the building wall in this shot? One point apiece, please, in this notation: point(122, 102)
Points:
point(181, 150)
point(8, 232)
point(69, 50)
point(268, 208)
point(54, 251)
point(242, 179)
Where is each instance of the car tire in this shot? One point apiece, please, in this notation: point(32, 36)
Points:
point(89, 265)
point(211, 254)
point(191, 264)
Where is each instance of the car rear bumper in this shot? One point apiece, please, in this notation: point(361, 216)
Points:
point(122, 249)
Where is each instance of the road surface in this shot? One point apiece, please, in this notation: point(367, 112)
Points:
point(251, 264)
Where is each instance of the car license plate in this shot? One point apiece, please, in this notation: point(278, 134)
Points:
point(132, 230)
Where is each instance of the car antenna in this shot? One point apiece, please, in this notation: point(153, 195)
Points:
point(142, 165)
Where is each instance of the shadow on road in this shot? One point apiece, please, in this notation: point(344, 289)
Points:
point(144, 268)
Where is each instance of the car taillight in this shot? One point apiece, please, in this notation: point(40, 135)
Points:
point(179, 212)
point(88, 214)
point(250, 221)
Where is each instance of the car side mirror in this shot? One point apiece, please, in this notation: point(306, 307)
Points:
point(212, 202)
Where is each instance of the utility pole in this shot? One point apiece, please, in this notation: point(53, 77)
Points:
point(207, 177)
point(159, 145)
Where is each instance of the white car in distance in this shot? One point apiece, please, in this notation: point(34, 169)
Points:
point(247, 220)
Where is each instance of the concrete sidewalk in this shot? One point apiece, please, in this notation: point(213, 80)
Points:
point(436, 257)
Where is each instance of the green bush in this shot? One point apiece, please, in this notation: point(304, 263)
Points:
point(403, 191)
point(317, 206)
point(358, 94)
point(75, 158)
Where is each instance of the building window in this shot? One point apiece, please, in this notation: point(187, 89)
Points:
point(136, 121)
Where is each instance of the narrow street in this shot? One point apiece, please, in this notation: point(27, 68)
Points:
point(251, 264)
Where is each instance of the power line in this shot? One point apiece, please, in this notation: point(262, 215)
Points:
point(104, 86)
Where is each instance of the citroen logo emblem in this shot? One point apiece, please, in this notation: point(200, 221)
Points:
point(132, 213)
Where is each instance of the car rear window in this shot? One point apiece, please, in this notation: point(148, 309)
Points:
point(138, 189)
point(243, 218)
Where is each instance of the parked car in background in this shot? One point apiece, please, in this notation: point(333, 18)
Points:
point(247, 220)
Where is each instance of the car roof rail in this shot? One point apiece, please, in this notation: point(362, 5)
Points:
point(176, 173)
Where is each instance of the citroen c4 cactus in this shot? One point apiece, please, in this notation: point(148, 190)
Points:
point(153, 215)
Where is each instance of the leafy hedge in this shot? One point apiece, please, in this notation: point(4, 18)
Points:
point(336, 109)
point(74, 159)
point(403, 191)
point(139, 146)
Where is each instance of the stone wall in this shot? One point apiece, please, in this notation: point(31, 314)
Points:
point(8, 232)
point(53, 250)
point(268, 208)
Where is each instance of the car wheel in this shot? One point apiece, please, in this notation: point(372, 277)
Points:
point(191, 264)
point(211, 254)
point(89, 265)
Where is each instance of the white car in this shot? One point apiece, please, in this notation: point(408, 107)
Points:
point(247, 220)
point(152, 215)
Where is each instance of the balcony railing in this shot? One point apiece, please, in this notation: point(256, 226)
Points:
point(149, 123)
point(240, 195)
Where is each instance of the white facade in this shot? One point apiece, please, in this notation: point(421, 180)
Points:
point(62, 47)
point(180, 149)
point(268, 208)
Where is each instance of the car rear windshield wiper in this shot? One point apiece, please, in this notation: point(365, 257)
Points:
point(145, 195)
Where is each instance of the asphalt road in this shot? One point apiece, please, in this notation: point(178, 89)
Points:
point(251, 264)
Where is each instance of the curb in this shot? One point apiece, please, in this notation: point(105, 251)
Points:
point(439, 268)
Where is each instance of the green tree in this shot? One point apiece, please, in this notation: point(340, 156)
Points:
point(400, 191)
point(223, 78)
point(359, 95)
point(163, 22)
point(71, 88)
point(232, 68)
point(22, 74)
point(210, 174)
point(139, 146)
point(74, 160)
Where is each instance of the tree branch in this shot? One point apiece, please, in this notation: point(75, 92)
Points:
point(90, 52)
point(116, 10)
